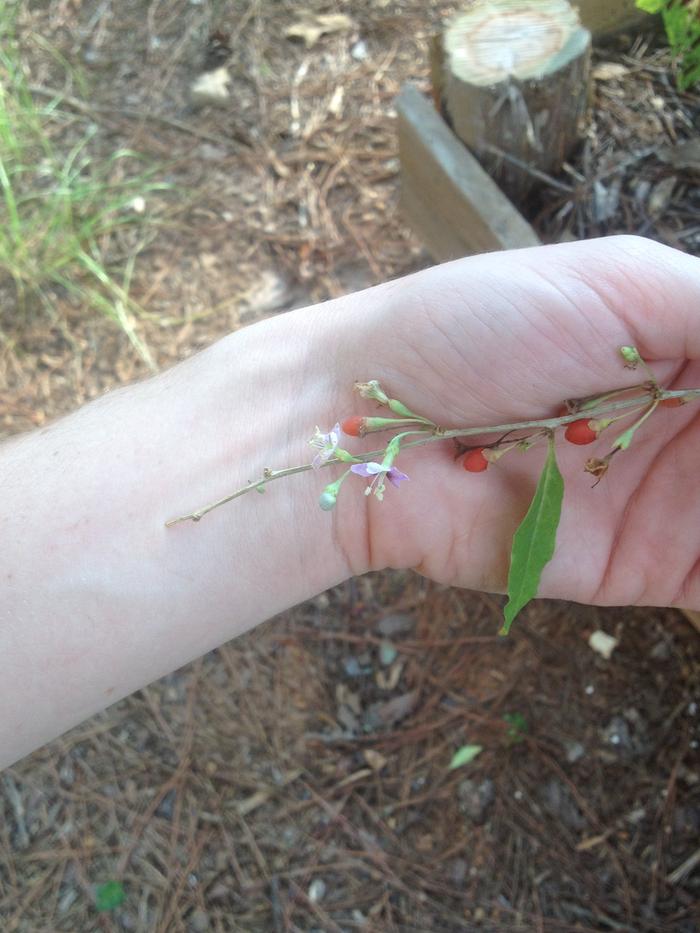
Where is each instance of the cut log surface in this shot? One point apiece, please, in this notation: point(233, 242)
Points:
point(515, 85)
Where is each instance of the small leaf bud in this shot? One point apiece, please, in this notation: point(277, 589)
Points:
point(599, 424)
point(328, 499)
point(631, 357)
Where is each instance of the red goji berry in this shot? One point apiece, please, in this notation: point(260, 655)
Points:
point(580, 432)
point(354, 426)
point(475, 461)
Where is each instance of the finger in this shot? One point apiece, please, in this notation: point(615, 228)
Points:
point(529, 327)
point(652, 289)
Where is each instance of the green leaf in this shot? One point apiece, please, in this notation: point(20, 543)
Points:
point(650, 6)
point(109, 895)
point(517, 727)
point(464, 755)
point(690, 75)
point(533, 544)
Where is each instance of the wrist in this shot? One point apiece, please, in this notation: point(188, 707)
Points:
point(262, 392)
point(100, 596)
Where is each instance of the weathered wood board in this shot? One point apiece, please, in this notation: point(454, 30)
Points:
point(449, 200)
point(608, 16)
point(693, 617)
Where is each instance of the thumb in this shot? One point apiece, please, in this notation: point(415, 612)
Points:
point(652, 289)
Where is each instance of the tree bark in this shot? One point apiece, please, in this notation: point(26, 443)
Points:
point(515, 86)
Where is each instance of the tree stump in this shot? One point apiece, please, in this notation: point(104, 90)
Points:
point(514, 81)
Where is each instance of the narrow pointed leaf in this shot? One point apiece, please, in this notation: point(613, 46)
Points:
point(465, 755)
point(533, 544)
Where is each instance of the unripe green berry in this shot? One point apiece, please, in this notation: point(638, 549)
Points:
point(327, 500)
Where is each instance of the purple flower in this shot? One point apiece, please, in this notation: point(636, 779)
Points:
point(378, 471)
point(326, 444)
point(373, 469)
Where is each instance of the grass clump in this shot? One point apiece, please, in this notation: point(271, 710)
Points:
point(64, 212)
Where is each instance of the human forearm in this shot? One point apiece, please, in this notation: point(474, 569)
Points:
point(98, 596)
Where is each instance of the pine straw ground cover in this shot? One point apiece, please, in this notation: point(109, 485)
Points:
point(298, 778)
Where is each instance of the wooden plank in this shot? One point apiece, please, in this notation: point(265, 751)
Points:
point(603, 17)
point(693, 616)
point(447, 197)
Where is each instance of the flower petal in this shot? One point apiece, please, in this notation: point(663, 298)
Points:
point(326, 444)
point(396, 476)
point(366, 469)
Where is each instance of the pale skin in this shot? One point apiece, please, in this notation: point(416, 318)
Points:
point(98, 597)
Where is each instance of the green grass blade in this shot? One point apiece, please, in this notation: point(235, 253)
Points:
point(9, 199)
point(533, 543)
point(61, 203)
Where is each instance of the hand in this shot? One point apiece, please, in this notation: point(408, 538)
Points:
point(98, 597)
point(506, 337)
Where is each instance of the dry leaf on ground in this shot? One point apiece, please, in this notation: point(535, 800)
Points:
point(312, 26)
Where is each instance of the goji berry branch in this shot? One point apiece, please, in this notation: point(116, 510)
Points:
point(438, 434)
point(533, 544)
